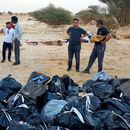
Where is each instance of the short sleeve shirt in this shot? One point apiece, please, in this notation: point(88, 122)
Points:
point(75, 35)
point(102, 31)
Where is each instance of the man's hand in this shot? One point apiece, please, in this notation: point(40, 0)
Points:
point(108, 37)
point(81, 39)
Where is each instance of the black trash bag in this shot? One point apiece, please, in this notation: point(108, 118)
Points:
point(8, 86)
point(37, 121)
point(20, 99)
point(15, 125)
point(93, 103)
point(35, 87)
point(116, 105)
point(74, 119)
point(20, 113)
point(112, 121)
point(89, 102)
point(46, 97)
point(125, 87)
point(70, 120)
point(72, 88)
point(57, 128)
point(5, 119)
point(56, 85)
point(127, 117)
point(102, 90)
point(87, 86)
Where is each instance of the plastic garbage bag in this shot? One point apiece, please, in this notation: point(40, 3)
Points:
point(117, 105)
point(71, 88)
point(112, 121)
point(103, 76)
point(20, 113)
point(56, 85)
point(35, 87)
point(46, 97)
point(15, 125)
point(20, 99)
point(53, 108)
point(92, 102)
point(74, 119)
point(125, 87)
point(102, 90)
point(71, 119)
point(89, 103)
point(87, 86)
point(38, 121)
point(8, 86)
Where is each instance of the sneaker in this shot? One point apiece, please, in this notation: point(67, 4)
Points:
point(9, 60)
point(69, 69)
point(16, 63)
point(86, 71)
point(3, 61)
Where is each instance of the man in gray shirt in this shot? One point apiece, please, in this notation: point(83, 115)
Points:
point(17, 38)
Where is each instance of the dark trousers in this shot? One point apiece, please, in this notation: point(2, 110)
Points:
point(74, 50)
point(98, 52)
point(17, 50)
point(6, 46)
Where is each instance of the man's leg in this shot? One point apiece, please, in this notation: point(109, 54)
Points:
point(92, 59)
point(100, 54)
point(4, 52)
point(17, 52)
point(70, 57)
point(77, 57)
point(9, 52)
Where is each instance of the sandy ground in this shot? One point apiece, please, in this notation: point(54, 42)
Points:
point(52, 60)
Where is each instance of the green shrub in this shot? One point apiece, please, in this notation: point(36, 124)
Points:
point(53, 16)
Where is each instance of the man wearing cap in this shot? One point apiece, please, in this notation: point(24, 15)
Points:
point(18, 36)
point(99, 47)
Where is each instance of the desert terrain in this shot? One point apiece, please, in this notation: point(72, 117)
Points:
point(52, 60)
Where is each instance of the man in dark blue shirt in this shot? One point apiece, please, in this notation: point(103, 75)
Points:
point(75, 38)
point(99, 47)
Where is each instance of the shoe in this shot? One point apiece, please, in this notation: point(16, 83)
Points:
point(77, 70)
point(16, 63)
point(69, 69)
point(3, 61)
point(9, 60)
point(86, 71)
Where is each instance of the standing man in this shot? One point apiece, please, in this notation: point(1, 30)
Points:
point(18, 36)
point(99, 47)
point(75, 38)
point(8, 41)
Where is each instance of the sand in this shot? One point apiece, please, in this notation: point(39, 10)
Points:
point(52, 60)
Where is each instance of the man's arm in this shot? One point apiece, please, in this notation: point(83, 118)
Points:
point(68, 31)
point(2, 31)
point(84, 34)
point(108, 37)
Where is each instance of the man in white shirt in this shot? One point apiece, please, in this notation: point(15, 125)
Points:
point(8, 41)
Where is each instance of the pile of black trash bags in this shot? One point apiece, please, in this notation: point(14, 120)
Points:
point(58, 103)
